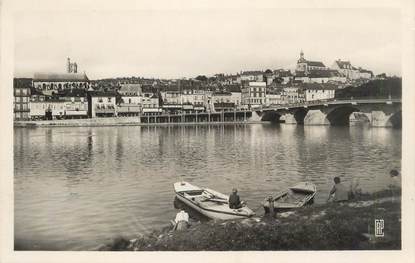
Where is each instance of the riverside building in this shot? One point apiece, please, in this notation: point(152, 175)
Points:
point(101, 104)
point(21, 93)
point(253, 94)
point(131, 100)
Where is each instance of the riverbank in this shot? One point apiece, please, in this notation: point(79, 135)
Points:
point(113, 121)
point(332, 226)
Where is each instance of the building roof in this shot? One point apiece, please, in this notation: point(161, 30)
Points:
point(274, 92)
point(343, 64)
point(319, 74)
point(299, 74)
point(130, 89)
point(283, 73)
point(257, 84)
point(60, 77)
point(315, 64)
point(22, 83)
point(72, 93)
point(221, 93)
point(98, 93)
point(252, 72)
point(335, 73)
point(147, 89)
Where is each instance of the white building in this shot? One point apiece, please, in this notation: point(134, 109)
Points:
point(253, 94)
point(253, 76)
point(292, 95)
point(273, 98)
point(150, 105)
point(50, 109)
point(236, 94)
point(320, 76)
point(316, 92)
point(101, 104)
point(195, 97)
point(67, 105)
point(351, 72)
point(131, 100)
point(130, 93)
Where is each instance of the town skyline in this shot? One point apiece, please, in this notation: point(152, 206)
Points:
point(185, 44)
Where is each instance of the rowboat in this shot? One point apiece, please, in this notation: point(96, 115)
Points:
point(208, 202)
point(296, 196)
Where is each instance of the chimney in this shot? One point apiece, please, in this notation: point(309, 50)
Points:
point(68, 65)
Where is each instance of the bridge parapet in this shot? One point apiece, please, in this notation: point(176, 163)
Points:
point(326, 103)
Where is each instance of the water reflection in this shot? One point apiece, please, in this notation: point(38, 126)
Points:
point(90, 184)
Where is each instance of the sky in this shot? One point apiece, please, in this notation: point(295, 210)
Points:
point(187, 43)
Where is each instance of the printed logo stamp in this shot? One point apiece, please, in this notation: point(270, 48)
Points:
point(379, 226)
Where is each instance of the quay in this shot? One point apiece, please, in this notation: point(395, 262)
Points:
point(235, 117)
point(224, 116)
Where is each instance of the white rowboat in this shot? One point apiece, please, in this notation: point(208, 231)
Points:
point(208, 202)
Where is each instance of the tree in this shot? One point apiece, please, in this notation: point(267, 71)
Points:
point(382, 88)
point(202, 78)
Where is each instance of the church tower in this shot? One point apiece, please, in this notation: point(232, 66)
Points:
point(302, 59)
point(301, 62)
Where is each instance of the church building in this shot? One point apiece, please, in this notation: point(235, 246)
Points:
point(306, 66)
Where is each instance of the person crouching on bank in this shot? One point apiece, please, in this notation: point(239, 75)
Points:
point(182, 221)
point(339, 191)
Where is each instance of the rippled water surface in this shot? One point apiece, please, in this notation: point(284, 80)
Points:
point(76, 188)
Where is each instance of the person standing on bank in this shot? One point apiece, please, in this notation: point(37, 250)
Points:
point(234, 200)
point(269, 207)
point(339, 191)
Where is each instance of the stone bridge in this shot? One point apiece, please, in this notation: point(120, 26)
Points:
point(377, 112)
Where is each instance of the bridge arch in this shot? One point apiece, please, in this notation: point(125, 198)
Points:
point(271, 116)
point(396, 119)
point(300, 114)
point(341, 115)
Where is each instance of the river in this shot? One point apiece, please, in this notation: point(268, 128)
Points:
point(76, 188)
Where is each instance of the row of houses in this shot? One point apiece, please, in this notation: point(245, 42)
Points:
point(73, 95)
point(136, 99)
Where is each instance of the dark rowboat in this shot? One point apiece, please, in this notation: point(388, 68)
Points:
point(296, 196)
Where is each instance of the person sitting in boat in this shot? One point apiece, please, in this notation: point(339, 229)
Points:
point(234, 200)
point(182, 221)
point(339, 191)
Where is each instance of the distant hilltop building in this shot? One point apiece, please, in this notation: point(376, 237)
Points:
point(352, 73)
point(316, 72)
point(306, 66)
point(71, 67)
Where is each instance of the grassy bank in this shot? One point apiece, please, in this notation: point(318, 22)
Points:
point(347, 226)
